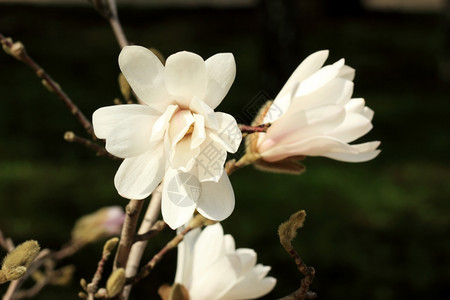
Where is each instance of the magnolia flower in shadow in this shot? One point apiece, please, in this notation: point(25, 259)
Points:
point(174, 133)
point(314, 115)
point(210, 267)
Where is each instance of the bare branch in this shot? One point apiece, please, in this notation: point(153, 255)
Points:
point(99, 150)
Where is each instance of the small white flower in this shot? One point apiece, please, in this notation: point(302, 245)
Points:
point(211, 268)
point(314, 115)
point(175, 132)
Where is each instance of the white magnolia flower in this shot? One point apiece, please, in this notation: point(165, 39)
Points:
point(211, 268)
point(314, 115)
point(175, 132)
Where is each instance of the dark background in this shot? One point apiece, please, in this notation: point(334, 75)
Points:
point(375, 230)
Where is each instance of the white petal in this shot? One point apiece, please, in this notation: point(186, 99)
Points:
point(309, 66)
point(138, 176)
point(353, 127)
point(179, 197)
point(185, 76)
point(248, 259)
point(197, 106)
point(216, 280)
point(210, 161)
point(229, 244)
point(278, 107)
point(217, 199)
point(228, 134)
point(355, 105)
point(131, 136)
point(208, 249)
point(293, 127)
point(336, 91)
point(179, 125)
point(313, 146)
point(347, 72)
point(183, 157)
point(364, 152)
point(185, 258)
point(105, 119)
point(161, 125)
point(253, 285)
point(199, 133)
point(368, 113)
point(145, 74)
point(221, 71)
point(317, 80)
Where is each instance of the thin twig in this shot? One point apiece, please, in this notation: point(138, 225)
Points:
point(17, 50)
point(6, 243)
point(158, 227)
point(133, 210)
point(108, 10)
point(137, 250)
point(33, 291)
point(99, 150)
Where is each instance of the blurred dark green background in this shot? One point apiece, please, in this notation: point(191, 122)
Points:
point(375, 230)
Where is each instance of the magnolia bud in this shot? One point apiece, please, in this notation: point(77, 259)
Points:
point(115, 282)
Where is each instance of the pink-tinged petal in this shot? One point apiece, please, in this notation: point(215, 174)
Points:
point(228, 134)
point(199, 133)
point(185, 257)
point(347, 72)
point(353, 127)
point(160, 127)
point(253, 285)
point(208, 248)
point(197, 106)
point(179, 197)
point(179, 125)
point(105, 119)
point(216, 201)
point(145, 74)
point(313, 146)
point(361, 153)
point(337, 91)
point(138, 176)
point(183, 157)
point(131, 136)
point(221, 71)
point(216, 280)
point(318, 80)
point(210, 161)
point(303, 124)
point(309, 66)
point(185, 74)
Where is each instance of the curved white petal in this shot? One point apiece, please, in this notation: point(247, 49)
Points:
point(179, 197)
point(185, 75)
point(183, 157)
point(105, 119)
point(313, 146)
point(217, 199)
point(197, 106)
point(229, 244)
point(309, 66)
point(160, 127)
point(317, 80)
point(363, 152)
point(353, 127)
point(199, 133)
point(228, 134)
point(185, 257)
point(138, 176)
point(248, 259)
point(131, 136)
point(216, 280)
point(179, 125)
point(347, 72)
point(221, 71)
point(208, 248)
point(145, 74)
point(210, 161)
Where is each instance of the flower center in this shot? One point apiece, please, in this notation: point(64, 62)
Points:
point(190, 130)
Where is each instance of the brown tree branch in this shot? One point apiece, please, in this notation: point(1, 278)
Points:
point(99, 150)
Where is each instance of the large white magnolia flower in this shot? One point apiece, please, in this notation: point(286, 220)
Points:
point(314, 115)
point(175, 133)
point(211, 268)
